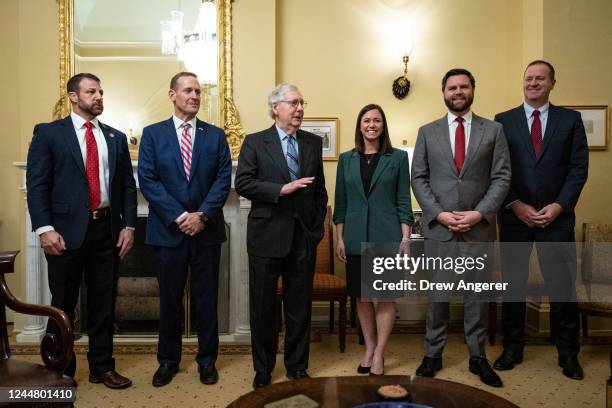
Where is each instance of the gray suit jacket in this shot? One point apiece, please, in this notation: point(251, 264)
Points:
point(482, 184)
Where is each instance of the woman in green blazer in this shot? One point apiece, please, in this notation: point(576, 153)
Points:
point(372, 204)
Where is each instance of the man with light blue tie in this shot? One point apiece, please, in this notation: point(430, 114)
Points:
point(280, 170)
point(184, 171)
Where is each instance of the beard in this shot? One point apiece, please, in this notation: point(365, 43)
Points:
point(93, 109)
point(459, 106)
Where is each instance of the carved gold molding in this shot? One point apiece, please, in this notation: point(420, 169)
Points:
point(229, 118)
point(66, 56)
point(229, 114)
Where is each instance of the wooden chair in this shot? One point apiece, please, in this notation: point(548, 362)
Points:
point(596, 268)
point(56, 353)
point(326, 285)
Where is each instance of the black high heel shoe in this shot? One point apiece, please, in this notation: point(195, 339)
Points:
point(363, 370)
point(374, 374)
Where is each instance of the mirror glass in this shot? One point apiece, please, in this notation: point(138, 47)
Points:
point(136, 46)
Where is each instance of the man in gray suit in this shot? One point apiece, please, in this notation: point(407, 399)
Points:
point(460, 177)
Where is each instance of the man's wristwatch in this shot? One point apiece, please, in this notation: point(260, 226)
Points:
point(204, 218)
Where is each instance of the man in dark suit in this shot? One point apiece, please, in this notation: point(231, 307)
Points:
point(550, 157)
point(460, 176)
point(184, 172)
point(82, 202)
point(280, 170)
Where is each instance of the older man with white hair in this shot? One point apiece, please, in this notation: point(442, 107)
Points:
point(280, 170)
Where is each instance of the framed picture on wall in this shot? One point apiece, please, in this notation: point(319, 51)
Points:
point(596, 124)
point(329, 130)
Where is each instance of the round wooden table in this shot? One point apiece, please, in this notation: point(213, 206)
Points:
point(340, 392)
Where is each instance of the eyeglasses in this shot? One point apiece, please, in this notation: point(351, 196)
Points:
point(296, 102)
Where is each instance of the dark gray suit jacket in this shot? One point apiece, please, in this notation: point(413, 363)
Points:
point(262, 172)
point(482, 184)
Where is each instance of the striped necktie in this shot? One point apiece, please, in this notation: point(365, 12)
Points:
point(292, 158)
point(186, 148)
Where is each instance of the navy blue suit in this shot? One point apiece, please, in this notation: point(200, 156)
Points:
point(58, 196)
point(163, 183)
point(556, 175)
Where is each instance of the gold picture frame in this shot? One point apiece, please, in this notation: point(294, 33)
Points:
point(228, 113)
point(596, 124)
point(328, 128)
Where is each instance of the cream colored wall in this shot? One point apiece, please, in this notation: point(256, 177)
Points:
point(577, 39)
point(29, 85)
point(344, 54)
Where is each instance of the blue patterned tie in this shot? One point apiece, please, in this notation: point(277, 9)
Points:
point(292, 159)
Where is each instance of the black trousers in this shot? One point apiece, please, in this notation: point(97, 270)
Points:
point(297, 270)
point(557, 258)
point(97, 260)
point(173, 265)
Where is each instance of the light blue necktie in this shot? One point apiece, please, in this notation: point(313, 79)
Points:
point(292, 159)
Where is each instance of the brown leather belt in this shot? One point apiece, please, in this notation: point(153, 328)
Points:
point(99, 214)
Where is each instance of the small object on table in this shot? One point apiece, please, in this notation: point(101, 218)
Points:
point(297, 401)
point(393, 392)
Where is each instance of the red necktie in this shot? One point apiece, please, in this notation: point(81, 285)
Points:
point(92, 169)
point(459, 144)
point(536, 132)
point(186, 148)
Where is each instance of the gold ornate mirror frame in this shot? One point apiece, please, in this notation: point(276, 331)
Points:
point(229, 118)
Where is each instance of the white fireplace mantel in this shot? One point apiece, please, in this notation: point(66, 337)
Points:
point(235, 211)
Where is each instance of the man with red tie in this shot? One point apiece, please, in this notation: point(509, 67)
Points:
point(184, 171)
point(82, 202)
point(550, 160)
point(460, 177)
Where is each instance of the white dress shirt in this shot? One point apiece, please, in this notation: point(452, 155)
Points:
point(543, 115)
point(179, 134)
point(80, 129)
point(452, 127)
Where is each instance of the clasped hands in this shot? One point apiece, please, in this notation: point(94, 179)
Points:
point(536, 219)
point(191, 224)
point(459, 221)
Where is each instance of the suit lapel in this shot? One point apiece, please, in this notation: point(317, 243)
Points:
point(355, 173)
point(443, 137)
point(198, 143)
point(112, 151)
point(383, 162)
point(275, 150)
point(174, 146)
point(551, 123)
point(72, 141)
point(303, 151)
point(522, 129)
point(476, 135)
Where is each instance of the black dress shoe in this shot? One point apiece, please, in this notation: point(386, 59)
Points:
point(363, 370)
point(261, 380)
point(508, 359)
point(571, 367)
point(480, 366)
point(297, 374)
point(208, 374)
point(429, 366)
point(164, 374)
point(111, 379)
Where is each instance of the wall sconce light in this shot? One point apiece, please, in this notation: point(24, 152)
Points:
point(401, 85)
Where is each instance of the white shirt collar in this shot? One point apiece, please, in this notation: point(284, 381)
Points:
point(467, 118)
point(178, 122)
point(529, 109)
point(79, 122)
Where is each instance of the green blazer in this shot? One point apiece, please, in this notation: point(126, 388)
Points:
point(375, 217)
